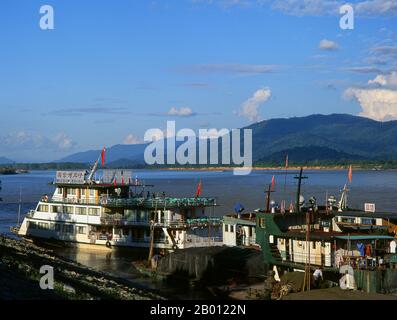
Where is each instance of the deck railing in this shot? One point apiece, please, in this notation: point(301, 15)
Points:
point(170, 223)
point(159, 203)
point(151, 203)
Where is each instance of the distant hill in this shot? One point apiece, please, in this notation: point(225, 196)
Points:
point(130, 153)
point(325, 137)
point(305, 139)
point(4, 160)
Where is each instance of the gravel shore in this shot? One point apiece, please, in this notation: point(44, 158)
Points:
point(20, 262)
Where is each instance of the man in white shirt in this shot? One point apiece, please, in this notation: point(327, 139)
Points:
point(318, 276)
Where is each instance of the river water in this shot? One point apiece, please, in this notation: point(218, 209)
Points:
point(379, 187)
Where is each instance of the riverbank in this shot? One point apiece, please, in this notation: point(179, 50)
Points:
point(20, 262)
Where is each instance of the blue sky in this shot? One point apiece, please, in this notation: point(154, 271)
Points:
point(110, 70)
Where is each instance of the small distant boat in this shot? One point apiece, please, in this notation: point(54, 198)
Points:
point(22, 171)
point(8, 171)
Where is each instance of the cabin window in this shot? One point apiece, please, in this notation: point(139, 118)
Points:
point(32, 225)
point(348, 220)
point(82, 192)
point(250, 231)
point(92, 192)
point(366, 221)
point(57, 227)
point(81, 230)
point(314, 245)
point(67, 228)
point(68, 210)
point(262, 222)
point(43, 226)
point(56, 209)
point(81, 210)
point(43, 208)
point(231, 228)
point(71, 191)
point(93, 211)
point(59, 190)
point(226, 228)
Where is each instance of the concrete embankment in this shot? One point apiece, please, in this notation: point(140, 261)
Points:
point(20, 263)
point(214, 265)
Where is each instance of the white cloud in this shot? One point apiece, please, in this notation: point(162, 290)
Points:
point(308, 7)
point(328, 45)
point(370, 8)
point(378, 104)
point(235, 68)
point(389, 80)
point(132, 139)
point(182, 112)
point(249, 108)
point(63, 141)
point(376, 7)
point(32, 146)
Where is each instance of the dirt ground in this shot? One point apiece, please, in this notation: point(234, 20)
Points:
point(337, 294)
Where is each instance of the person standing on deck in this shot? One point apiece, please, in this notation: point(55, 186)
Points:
point(318, 277)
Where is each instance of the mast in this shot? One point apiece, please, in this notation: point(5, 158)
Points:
point(268, 192)
point(307, 278)
point(93, 170)
point(19, 207)
point(151, 248)
point(343, 199)
point(298, 192)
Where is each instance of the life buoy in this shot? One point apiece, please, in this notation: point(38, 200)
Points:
point(108, 244)
point(174, 247)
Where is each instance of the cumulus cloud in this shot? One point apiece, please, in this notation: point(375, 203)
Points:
point(378, 104)
point(31, 140)
point(249, 108)
point(388, 80)
point(63, 141)
point(328, 45)
point(132, 139)
point(182, 112)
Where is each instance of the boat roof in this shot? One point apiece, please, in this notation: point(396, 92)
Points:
point(360, 213)
point(322, 235)
point(364, 237)
point(244, 219)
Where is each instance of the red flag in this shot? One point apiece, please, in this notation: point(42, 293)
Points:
point(286, 162)
point(103, 156)
point(273, 183)
point(350, 174)
point(122, 179)
point(115, 181)
point(198, 192)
